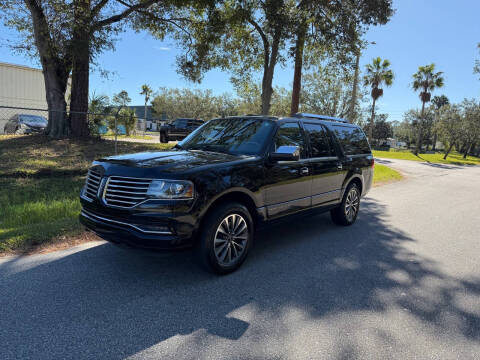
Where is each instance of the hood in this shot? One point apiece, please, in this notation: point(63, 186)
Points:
point(173, 161)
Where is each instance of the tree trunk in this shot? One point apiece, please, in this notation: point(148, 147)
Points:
point(372, 123)
point(267, 80)
point(418, 147)
point(353, 103)
point(448, 152)
point(297, 73)
point(434, 145)
point(467, 150)
point(80, 70)
point(55, 72)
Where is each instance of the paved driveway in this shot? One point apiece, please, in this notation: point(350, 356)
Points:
point(403, 282)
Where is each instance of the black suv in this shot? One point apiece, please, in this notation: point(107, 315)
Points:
point(179, 129)
point(224, 180)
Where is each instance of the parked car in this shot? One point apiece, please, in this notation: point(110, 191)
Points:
point(178, 129)
point(225, 180)
point(25, 124)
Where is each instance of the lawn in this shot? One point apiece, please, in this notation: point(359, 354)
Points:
point(383, 174)
point(40, 181)
point(136, 137)
point(453, 157)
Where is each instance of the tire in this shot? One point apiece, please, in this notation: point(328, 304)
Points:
point(347, 212)
point(163, 138)
point(216, 241)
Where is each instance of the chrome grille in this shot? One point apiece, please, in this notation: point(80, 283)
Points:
point(124, 191)
point(92, 183)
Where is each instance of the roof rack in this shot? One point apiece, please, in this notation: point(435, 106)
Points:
point(320, 117)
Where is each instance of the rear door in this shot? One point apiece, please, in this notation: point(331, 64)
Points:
point(289, 183)
point(326, 168)
point(357, 156)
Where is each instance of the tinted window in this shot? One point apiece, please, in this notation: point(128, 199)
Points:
point(181, 123)
point(352, 139)
point(318, 140)
point(290, 134)
point(234, 136)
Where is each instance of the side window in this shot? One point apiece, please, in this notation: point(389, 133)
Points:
point(352, 139)
point(181, 123)
point(290, 134)
point(318, 140)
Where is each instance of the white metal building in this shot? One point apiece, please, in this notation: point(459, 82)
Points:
point(21, 86)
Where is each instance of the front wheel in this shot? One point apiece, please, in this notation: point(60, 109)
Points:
point(225, 239)
point(163, 138)
point(347, 212)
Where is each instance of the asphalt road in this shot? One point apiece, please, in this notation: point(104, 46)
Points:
point(402, 283)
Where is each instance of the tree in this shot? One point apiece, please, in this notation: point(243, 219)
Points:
point(178, 103)
point(426, 80)
point(97, 109)
point(334, 25)
point(67, 35)
point(327, 90)
point(450, 126)
point(147, 93)
point(382, 129)
point(471, 119)
point(238, 36)
point(438, 102)
point(476, 68)
point(377, 74)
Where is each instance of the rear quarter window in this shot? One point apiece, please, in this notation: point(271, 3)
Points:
point(352, 139)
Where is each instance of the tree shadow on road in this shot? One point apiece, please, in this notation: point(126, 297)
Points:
point(105, 302)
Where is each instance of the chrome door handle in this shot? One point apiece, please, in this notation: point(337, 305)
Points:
point(304, 171)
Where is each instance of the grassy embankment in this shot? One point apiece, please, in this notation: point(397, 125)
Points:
point(39, 185)
point(453, 158)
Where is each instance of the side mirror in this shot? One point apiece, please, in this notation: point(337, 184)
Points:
point(286, 153)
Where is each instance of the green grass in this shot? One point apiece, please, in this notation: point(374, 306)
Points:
point(136, 137)
point(383, 174)
point(40, 180)
point(453, 158)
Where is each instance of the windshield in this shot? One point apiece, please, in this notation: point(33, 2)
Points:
point(32, 119)
point(234, 136)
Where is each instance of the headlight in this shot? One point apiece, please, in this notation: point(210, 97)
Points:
point(170, 189)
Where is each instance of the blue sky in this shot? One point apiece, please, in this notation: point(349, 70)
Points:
point(420, 32)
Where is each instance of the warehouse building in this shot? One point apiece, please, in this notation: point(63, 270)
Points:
point(21, 87)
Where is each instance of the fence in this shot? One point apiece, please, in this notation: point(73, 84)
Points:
point(115, 122)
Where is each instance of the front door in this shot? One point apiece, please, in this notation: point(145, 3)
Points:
point(326, 168)
point(288, 182)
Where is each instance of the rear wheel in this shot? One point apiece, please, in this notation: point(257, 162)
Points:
point(163, 138)
point(225, 239)
point(347, 212)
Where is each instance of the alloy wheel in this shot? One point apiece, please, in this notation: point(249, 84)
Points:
point(231, 239)
point(352, 204)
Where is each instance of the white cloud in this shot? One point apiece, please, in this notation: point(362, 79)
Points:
point(161, 48)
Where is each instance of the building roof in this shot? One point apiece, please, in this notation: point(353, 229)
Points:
point(19, 66)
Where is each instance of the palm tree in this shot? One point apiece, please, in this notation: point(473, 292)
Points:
point(426, 80)
point(438, 103)
point(377, 73)
point(147, 92)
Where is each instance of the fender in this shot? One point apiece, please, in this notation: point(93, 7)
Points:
point(350, 176)
point(231, 190)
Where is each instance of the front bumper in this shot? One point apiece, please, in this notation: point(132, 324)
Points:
point(144, 235)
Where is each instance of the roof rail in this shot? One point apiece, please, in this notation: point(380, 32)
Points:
point(320, 117)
